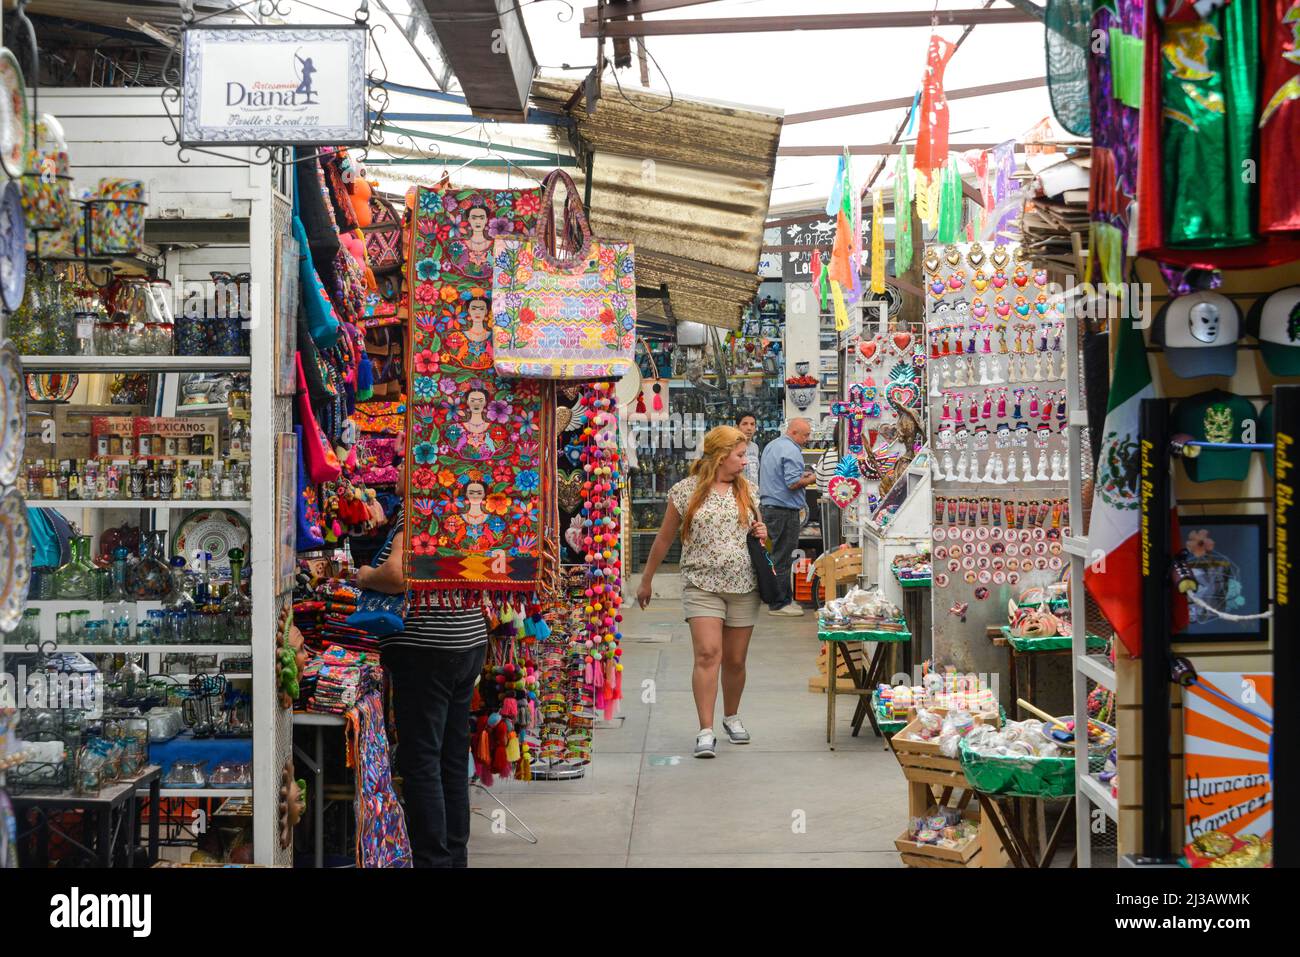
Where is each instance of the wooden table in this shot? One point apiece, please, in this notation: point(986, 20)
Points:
point(316, 764)
point(1031, 650)
point(865, 679)
point(1015, 825)
point(116, 812)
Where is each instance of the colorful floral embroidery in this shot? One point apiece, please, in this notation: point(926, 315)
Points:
point(476, 493)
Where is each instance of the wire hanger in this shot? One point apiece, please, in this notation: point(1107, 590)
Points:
point(491, 150)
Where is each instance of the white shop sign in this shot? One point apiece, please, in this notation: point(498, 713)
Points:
point(274, 86)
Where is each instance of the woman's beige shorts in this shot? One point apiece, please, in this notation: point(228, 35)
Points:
point(735, 610)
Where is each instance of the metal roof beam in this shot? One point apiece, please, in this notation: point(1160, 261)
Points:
point(638, 7)
point(826, 21)
point(988, 89)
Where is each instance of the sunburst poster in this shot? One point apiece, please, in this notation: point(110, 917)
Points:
point(1227, 730)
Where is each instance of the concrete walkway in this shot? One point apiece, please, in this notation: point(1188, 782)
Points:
point(782, 801)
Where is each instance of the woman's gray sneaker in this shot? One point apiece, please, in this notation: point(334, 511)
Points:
point(706, 745)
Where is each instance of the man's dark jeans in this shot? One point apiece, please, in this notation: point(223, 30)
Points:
point(431, 697)
point(783, 532)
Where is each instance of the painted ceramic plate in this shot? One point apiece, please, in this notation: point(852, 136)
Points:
point(15, 559)
point(13, 248)
point(13, 115)
point(215, 531)
point(13, 413)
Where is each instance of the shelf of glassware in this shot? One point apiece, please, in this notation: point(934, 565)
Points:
point(138, 649)
point(194, 504)
point(136, 363)
point(50, 609)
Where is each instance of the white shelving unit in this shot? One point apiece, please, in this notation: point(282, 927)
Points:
point(1089, 792)
point(201, 212)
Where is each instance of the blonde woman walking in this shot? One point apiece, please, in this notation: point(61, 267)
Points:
point(715, 508)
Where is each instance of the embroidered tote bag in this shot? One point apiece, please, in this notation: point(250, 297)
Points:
point(563, 315)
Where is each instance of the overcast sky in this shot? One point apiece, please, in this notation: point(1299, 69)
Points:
point(791, 72)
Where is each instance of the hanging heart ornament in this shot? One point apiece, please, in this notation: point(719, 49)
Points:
point(902, 395)
point(867, 349)
point(902, 340)
point(844, 491)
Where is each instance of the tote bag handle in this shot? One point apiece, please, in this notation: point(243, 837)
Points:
point(575, 221)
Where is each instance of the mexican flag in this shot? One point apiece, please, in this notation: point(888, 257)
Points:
point(1115, 581)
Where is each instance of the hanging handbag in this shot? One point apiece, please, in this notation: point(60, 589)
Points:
point(563, 316)
point(383, 239)
point(322, 463)
point(322, 320)
point(308, 529)
point(764, 570)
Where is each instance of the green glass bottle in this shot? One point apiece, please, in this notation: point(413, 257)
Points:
point(79, 578)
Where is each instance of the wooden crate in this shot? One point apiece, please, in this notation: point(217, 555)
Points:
point(926, 769)
point(984, 850)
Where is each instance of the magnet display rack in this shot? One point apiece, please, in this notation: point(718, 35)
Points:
point(960, 617)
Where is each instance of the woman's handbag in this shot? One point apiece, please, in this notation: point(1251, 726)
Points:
point(563, 316)
point(377, 613)
point(768, 588)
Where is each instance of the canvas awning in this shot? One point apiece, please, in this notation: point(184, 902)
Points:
point(688, 181)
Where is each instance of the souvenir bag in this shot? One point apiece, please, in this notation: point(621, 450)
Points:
point(309, 531)
point(379, 460)
point(383, 237)
point(322, 463)
point(563, 316)
point(322, 320)
point(480, 507)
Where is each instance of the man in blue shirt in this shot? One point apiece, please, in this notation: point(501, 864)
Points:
point(782, 478)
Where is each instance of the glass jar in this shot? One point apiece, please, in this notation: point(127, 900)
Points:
point(79, 577)
point(161, 324)
point(236, 607)
point(149, 579)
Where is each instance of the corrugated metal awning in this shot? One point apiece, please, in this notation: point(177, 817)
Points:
point(688, 183)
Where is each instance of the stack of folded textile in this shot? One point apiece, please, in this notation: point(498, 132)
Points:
point(334, 680)
point(340, 602)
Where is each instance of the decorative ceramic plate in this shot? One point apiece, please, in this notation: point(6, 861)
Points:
point(15, 559)
point(13, 248)
point(215, 531)
point(13, 115)
point(13, 412)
